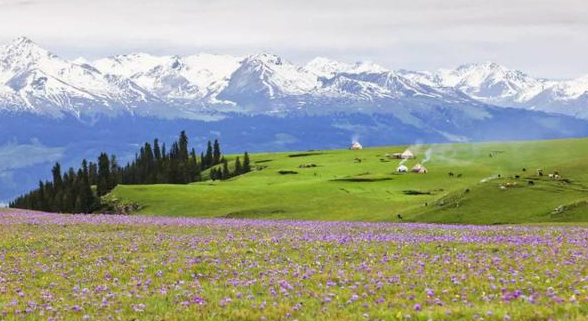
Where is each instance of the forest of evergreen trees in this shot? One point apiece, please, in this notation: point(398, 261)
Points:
point(74, 192)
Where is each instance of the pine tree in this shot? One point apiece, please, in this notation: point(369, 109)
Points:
point(246, 163)
point(86, 194)
point(216, 154)
point(194, 167)
point(156, 150)
point(148, 160)
point(238, 167)
point(183, 146)
point(42, 206)
point(104, 177)
point(209, 156)
point(93, 173)
point(56, 171)
point(226, 174)
point(114, 173)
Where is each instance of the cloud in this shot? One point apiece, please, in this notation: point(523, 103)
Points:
point(14, 3)
point(547, 37)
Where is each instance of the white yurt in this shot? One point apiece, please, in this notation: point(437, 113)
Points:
point(407, 154)
point(402, 169)
point(418, 168)
point(356, 146)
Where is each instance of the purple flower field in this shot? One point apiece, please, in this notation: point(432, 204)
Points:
point(106, 267)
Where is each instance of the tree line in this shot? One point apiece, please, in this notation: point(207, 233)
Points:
point(80, 191)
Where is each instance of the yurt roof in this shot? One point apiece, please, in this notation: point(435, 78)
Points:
point(417, 166)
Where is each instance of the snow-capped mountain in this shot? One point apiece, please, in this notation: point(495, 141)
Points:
point(497, 85)
point(265, 77)
point(172, 77)
point(327, 68)
point(266, 83)
point(33, 79)
point(568, 97)
point(492, 83)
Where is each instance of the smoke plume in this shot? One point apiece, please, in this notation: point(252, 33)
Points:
point(428, 155)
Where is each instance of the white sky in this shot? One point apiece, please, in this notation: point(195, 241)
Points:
point(546, 38)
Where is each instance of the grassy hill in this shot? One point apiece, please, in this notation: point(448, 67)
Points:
point(492, 183)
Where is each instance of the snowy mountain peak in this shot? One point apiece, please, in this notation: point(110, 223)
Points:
point(267, 76)
point(37, 80)
point(491, 83)
point(81, 61)
point(22, 42)
point(368, 67)
point(25, 48)
point(327, 68)
point(22, 55)
point(485, 65)
point(266, 58)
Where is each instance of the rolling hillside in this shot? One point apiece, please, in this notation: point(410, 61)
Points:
point(491, 183)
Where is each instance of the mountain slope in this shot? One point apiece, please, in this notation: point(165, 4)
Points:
point(497, 85)
point(266, 77)
point(372, 190)
point(172, 77)
point(34, 79)
point(214, 86)
point(492, 83)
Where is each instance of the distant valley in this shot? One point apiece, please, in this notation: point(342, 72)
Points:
point(53, 109)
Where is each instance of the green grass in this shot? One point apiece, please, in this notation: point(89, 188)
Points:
point(342, 188)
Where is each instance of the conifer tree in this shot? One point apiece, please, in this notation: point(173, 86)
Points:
point(238, 167)
point(56, 171)
point(209, 156)
point(93, 173)
point(246, 163)
point(216, 154)
point(183, 146)
point(104, 176)
point(226, 174)
point(156, 150)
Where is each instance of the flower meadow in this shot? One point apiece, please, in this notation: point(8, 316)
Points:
point(107, 267)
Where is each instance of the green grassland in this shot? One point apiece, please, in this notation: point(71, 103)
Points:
point(364, 186)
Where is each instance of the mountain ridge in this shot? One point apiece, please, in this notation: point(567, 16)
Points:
point(33, 79)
